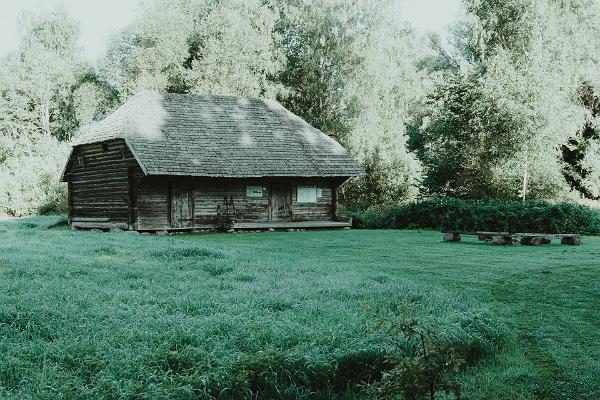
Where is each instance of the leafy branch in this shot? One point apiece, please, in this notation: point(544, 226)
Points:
point(422, 367)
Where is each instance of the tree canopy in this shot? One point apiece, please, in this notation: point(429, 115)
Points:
point(507, 106)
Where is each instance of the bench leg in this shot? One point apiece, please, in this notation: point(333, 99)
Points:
point(535, 240)
point(571, 240)
point(452, 237)
point(502, 240)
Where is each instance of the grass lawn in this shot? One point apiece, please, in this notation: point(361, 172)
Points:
point(120, 316)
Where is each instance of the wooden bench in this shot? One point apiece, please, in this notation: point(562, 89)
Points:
point(537, 239)
point(492, 237)
point(501, 238)
point(527, 239)
point(570, 239)
point(489, 236)
point(451, 236)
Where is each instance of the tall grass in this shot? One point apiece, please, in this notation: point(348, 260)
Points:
point(116, 316)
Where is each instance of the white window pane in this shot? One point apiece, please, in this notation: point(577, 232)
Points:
point(254, 191)
point(307, 194)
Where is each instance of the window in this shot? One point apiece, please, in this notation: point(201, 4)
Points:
point(307, 194)
point(254, 191)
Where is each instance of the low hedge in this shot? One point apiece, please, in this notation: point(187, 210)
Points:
point(450, 214)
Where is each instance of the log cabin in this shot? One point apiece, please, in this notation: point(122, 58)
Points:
point(185, 162)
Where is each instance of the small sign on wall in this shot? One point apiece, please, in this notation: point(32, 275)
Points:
point(254, 191)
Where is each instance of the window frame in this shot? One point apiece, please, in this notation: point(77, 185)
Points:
point(304, 201)
point(250, 191)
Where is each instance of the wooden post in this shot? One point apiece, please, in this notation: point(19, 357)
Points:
point(169, 194)
point(130, 199)
point(193, 207)
point(70, 199)
point(334, 201)
point(291, 202)
point(270, 205)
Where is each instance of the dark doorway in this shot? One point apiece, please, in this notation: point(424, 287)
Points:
point(181, 208)
point(280, 203)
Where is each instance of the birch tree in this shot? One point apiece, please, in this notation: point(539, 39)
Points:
point(49, 59)
point(530, 59)
point(225, 47)
point(36, 113)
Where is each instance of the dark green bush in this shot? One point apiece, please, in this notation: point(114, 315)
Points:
point(55, 204)
point(449, 214)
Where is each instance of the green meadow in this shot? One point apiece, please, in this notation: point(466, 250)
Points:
point(283, 315)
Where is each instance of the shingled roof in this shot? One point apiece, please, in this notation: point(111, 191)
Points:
point(221, 136)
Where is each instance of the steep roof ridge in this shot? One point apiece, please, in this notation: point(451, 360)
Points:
point(226, 136)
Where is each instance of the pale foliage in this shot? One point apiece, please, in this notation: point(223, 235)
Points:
point(536, 55)
point(49, 58)
point(30, 182)
point(150, 53)
point(87, 99)
point(226, 47)
point(592, 162)
point(387, 88)
point(348, 67)
point(34, 83)
point(237, 53)
point(17, 122)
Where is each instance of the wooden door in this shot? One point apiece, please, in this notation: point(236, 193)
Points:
point(280, 203)
point(181, 208)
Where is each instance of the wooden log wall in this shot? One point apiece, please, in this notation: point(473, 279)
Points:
point(209, 195)
point(153, 204)
point(99, 191)
point(155, 195)
point(107, 189)
point(321, 210)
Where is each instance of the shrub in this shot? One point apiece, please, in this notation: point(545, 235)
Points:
point(30, 183)
point(449, 214)
point(422, 366)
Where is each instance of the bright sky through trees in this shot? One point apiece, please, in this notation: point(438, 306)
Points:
point(100, 19)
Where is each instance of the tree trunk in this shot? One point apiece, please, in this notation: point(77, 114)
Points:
point(46, 117)
point(525, 176)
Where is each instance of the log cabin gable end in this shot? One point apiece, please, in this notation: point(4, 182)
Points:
point(105, 152)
